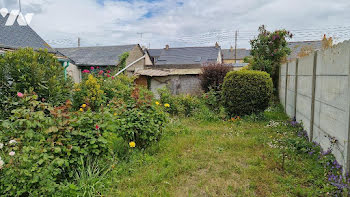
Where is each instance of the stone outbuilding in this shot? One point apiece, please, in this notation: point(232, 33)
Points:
point(177, 68)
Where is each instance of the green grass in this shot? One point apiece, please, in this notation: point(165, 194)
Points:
point(200, 158)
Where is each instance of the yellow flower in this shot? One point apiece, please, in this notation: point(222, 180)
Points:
point(132, 144)
point(157, 103)
point(83, 106)
point(166, 105)
point(81, 109)
point(115, 114)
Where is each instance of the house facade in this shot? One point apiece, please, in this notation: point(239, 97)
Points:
point(82, 58)
point(177, 68)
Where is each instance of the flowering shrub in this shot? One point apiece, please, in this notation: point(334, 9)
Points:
point(139, 119)
point(26, 70)
point(89, 91)
point(42, 145)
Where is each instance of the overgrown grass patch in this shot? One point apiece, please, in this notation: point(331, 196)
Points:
point(218, 158)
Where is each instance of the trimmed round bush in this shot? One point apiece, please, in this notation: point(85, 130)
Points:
point(246, 92)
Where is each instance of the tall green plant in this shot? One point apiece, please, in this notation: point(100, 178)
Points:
point(269, 49)
point(27, 70)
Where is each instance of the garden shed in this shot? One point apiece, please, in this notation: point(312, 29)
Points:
point(177, 68)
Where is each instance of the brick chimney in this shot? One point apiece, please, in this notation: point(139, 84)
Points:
point(166, 47)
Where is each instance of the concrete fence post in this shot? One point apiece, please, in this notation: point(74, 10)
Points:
point(296, 87)
point(313, 89)
point(286, 89)
point(347, 159)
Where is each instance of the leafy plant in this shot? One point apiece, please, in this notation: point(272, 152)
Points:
point(269, 49)
point(44, 145)
point(26, 70)
point(246, 92)
point(213, 76)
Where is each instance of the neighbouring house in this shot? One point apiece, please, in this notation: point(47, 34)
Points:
point(303, 48)
point(102, 57)
point(15, 36)
point(231, 57)
point(177, 68)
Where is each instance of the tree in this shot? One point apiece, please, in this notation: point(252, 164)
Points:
point(269, 49)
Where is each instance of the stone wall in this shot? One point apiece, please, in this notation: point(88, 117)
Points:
point(316, 91)
point(178, 84)
point(135, 54)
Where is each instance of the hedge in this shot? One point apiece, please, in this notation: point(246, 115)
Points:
point(246, 92)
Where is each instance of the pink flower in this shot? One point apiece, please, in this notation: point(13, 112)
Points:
point(113, 77)
point(12, 153)
point(92, 68)
point(108, 75)
point(20, 95)
point(108, 71)
point(97, 67)
point(86, 71)
point(97, 127)
point(101, 72)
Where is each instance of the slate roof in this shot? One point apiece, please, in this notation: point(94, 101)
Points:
point(96, 56)
point(17, 36)
point(155, 52)
point(297, 46)
point(230, 54)
point(168, 72)
point(185, 55)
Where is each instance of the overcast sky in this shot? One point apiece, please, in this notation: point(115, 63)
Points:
point(181, 22)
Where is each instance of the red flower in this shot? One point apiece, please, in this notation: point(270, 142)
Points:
point(97, 67)
point(86, 71)
point(108, 71)
point(113, 77)
point(101, 72)
point(97, 127)
point(108, 75)
point(92, 68)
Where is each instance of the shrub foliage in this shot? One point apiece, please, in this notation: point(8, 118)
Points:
point(213, 76)
point(27, 70)
point(246, 92)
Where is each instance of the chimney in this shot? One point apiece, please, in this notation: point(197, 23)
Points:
point(78, 42)
point(217, 45)
point(166, 47)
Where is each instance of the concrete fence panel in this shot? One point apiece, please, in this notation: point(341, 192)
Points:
point(316, 91)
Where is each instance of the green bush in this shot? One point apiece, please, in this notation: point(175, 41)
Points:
point(139, 119)
point(27, 70)
point(212, 99)
point(46, 145)
point(246, 92)
point(167, 98)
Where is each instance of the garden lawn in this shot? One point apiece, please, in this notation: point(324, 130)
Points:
point(222, 158)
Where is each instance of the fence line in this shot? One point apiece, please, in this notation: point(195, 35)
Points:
point(315, 90)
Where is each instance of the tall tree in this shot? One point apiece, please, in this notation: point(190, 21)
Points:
point(269, 49)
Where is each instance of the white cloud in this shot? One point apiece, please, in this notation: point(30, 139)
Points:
point(180, 22)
